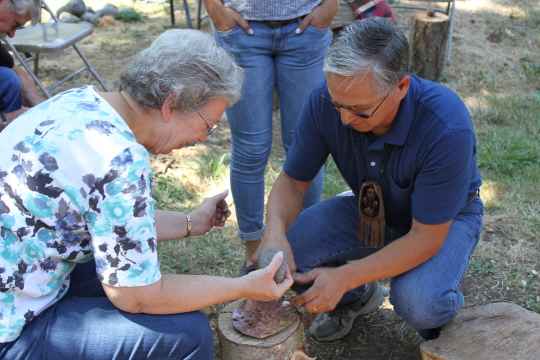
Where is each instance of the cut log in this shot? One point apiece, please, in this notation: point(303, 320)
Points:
point(236, 346)
point(429, 40)
point(499, 331)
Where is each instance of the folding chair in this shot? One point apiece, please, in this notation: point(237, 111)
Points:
point(51, 37)
point(427, 5)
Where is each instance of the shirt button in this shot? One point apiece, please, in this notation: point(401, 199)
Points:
point(372, 164)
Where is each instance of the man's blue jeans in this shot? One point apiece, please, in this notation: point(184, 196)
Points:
point(271, 58)
point(427, 296)
point(86, 325)
point(10, 90)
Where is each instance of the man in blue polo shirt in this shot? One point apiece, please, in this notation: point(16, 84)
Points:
point(406, 147)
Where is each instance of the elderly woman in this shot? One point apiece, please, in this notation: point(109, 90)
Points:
point(79, 272)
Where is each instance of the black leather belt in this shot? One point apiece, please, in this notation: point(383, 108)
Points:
point(279, 23)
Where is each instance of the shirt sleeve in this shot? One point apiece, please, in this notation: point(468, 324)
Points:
point(308, 151)
point(121, 221)
point(442, 185)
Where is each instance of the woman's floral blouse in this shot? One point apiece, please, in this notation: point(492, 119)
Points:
point(74, 185)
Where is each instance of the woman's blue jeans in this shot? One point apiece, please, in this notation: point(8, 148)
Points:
point(86, 325)
point(427, 296)
point(292, 64)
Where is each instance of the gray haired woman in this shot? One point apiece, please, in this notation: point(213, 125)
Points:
point(79, 272)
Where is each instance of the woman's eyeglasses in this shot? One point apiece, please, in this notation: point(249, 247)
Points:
point(210, 128)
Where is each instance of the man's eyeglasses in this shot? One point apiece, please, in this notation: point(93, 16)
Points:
point(361, 114)
point(210, 128)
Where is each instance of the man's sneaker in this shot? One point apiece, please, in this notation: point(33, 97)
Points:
point(338, 323)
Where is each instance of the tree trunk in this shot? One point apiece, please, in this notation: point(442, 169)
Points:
point(499, 331)
point(236, 346)
point(429, 40)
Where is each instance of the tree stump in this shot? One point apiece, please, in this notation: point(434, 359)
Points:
point(429, 40)
point(236, 346)
point(499, 331)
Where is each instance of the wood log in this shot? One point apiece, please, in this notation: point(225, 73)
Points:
point(236, 346)
point(498, 331)
point(429, 41)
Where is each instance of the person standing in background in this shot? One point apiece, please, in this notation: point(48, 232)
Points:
point(281, 45)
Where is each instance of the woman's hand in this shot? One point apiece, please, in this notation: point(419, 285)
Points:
point(213, 211)
point(260, 284)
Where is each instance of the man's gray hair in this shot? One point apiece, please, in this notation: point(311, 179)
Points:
point(374, 44)
point(23, 7)
point(187, 64)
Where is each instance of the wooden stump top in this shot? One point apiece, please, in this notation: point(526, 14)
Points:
point(436, 18)
point(226, 330)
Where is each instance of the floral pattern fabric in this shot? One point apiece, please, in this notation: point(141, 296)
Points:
point(74, 185)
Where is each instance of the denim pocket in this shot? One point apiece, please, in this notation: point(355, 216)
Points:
point(316, 29)
point(232, 30)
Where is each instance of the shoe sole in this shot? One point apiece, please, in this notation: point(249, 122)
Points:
point(373, 304)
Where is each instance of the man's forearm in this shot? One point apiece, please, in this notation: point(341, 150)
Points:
point(284, 204)
point(400, 256)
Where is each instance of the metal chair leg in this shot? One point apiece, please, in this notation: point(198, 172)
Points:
point(90, 68)
point(188, 15)
point(451, 14)
point(199, 14)
point(171, 7)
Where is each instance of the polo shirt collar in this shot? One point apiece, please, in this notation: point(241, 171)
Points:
point(398, 133)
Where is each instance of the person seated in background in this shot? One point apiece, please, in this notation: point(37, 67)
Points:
point(80, 275)
point(17, 89)
point(350, 10)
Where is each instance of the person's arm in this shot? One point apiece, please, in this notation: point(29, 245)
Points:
point(7, 118)
point(284, 204)
point(30, 93)
point(330, 284)
point(183, 293)
point(225, 18)
point(172, 225)
point(321, 16)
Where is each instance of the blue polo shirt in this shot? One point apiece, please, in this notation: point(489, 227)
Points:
point(426, 162)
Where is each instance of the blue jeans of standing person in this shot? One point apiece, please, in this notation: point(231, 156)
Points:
point(86, 325)
point(427, 296)
point(271, 58)
point(10, 90)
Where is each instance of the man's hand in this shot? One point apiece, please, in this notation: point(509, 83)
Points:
point(276, 242)
point(225, 18)
point(325, 293)
point(320, 17)
point(213, 211)
point(261, 285)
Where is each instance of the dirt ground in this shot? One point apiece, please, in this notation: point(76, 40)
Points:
point(492, 41)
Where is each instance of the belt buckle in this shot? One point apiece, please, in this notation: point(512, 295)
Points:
point(273, 23)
